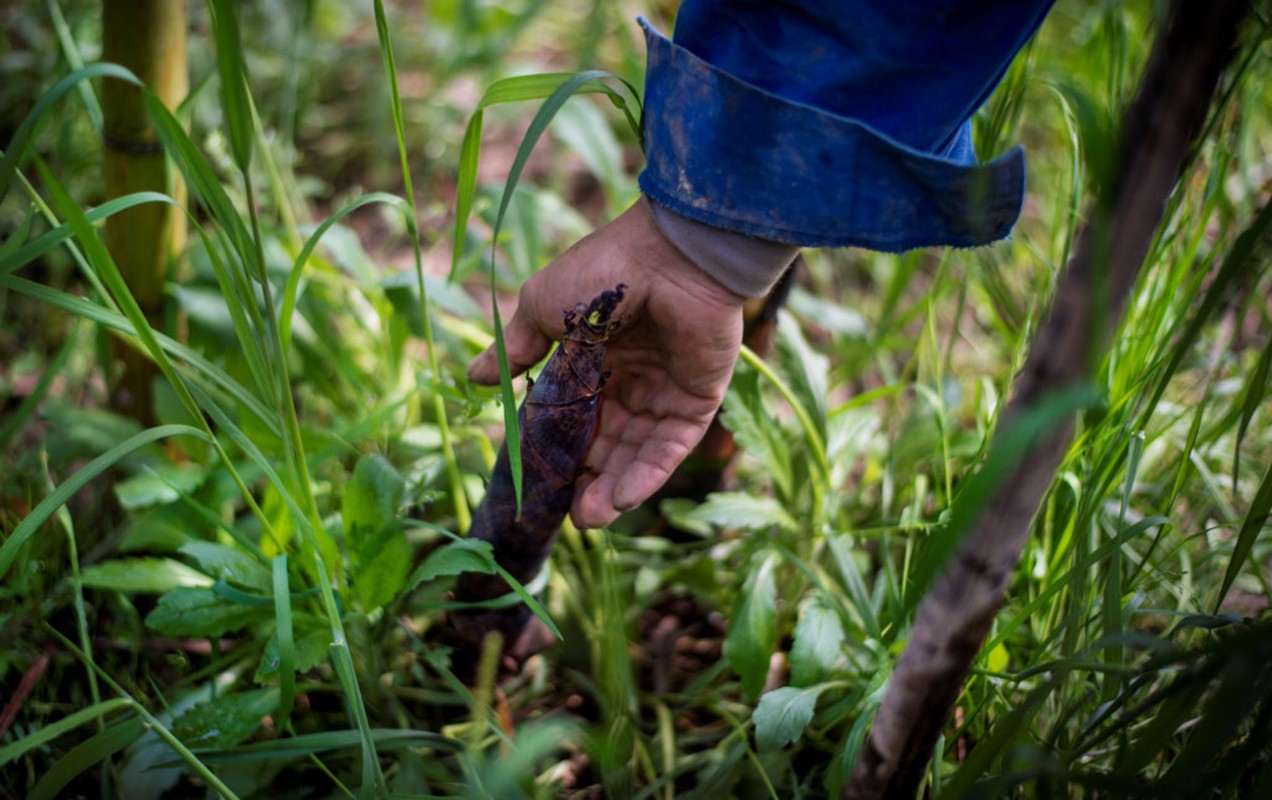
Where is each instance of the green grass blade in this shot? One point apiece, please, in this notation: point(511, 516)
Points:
point(82, 476)
point(520, 88)
point(104, 265)
point(19, 236)
point(1243, 676)
point(1078, 567)
point(326, 741)
point(150, 720)
point(18, 418)
point(563, 87)
point(115, 321)
point(16, 151)
point(292, 286)
point(372, 775)
point(1250, 529)
point(70, 51)
point(286, 642)
point(1238, 266)
point(1006, 729)
point(47, 241)
point(229, 63)
point(811, 431)
point(1009, 447)
point(86, 754)
point(53, 730)
point(458, 497)
point(1255, 394)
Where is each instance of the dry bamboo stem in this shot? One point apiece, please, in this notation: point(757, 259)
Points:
point(149, 38)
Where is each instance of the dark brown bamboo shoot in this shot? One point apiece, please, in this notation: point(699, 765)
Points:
point(557, 421)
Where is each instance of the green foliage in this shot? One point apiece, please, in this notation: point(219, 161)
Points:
point(256, 584)
point(753, 629)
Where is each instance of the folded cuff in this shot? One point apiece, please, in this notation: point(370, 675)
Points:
point(723, 152)
point(742, 264)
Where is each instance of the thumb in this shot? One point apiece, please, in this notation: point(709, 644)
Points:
point(525, 344)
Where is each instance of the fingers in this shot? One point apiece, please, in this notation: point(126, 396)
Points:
point(632, 467)
point(525, 343)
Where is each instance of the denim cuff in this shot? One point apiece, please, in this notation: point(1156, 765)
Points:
point(728, 154)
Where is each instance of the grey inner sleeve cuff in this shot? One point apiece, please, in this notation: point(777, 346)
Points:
point(742, 264)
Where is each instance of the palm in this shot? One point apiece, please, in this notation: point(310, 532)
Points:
point(665, 385)
point(669, 365)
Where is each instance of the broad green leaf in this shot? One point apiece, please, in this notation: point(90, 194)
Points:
point(680, 512)
point(158, 485)
point(155, 530)
point(755, 429)
point(741, 511)
point(229, 564)
point(753, 629)
point(464, 555)
point(310, 650)
point(782, 715)
point(225, 721)
point(807, 369)
point(997, 659)
point(371, 498)
point(145, 575)
point(381, 553)
point(381, 564)
point(819, 635)
point(200, 613)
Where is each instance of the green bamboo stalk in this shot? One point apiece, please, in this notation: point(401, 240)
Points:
point(149, 38)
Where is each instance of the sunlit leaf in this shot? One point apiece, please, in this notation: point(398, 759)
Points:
point(228, 564)
point(753, 629)
point(465, 555)
point(819, 635)
point(143, 575)
point(782, 715)
point(200, 613)
point(225, 721)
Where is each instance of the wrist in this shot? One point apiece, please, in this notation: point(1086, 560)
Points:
point(744, 265)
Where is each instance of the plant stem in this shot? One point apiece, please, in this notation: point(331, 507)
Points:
point(149, 38)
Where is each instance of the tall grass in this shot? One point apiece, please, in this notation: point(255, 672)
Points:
point(310, 462)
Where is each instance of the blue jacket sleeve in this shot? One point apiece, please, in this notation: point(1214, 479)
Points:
point(834, 123)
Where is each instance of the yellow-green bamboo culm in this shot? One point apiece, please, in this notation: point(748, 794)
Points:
point(149, 38)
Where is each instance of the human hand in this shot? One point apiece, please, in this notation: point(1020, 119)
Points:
point(669, 364)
